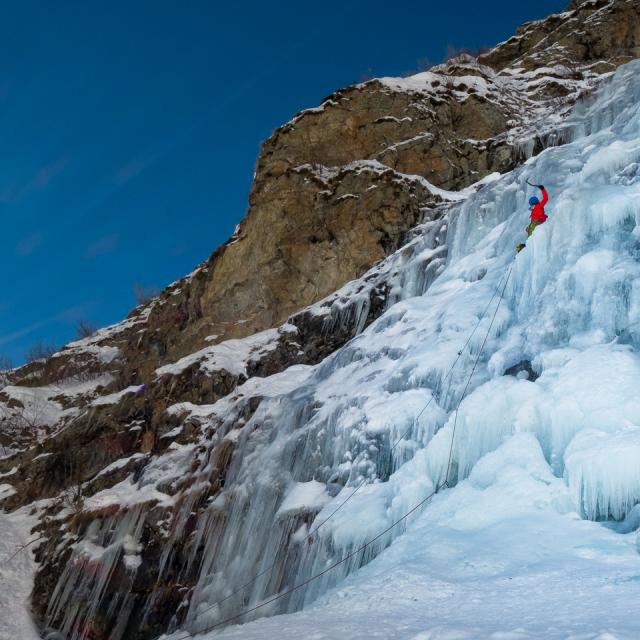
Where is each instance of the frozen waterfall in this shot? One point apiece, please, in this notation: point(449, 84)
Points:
point(571, 310)
point(568, 329)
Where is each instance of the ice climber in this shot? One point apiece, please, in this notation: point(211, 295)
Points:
point(538, 215)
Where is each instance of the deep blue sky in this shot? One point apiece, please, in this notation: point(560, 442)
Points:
point(129, 130)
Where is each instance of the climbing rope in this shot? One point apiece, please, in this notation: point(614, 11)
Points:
point(473, 370)
point(310, 535)
point(439, 487)
point(323, 572)
point(426, 406)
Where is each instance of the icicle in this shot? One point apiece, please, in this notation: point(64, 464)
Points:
point(96, 581)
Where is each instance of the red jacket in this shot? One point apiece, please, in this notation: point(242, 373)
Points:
point(537, 213)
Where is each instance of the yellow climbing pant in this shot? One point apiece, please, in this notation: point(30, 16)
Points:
point(532, 227)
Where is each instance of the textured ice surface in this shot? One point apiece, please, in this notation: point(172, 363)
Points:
point(502, 556)
point(603, 470)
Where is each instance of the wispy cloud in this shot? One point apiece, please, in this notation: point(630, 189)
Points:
point(24, 331)
point(28, 245)
point(67, 316)
point(75, 313)
point(50, 170)
point(101, 247)
point(134, 168)
point(41, 179)
point(179, 249)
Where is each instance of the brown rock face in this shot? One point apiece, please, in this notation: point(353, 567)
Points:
point(311, 230)
point(372, 121)
point(316, 229)
point(316, 220)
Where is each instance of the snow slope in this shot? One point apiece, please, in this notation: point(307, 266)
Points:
point(16, 576)
point(501, 556)
point(537, 539)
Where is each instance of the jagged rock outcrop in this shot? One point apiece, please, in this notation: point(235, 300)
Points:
point(318, 228)
point(601, 33)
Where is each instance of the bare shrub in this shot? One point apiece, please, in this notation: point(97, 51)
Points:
point(24, 420)
point(453, 52)
point(40, 351)
point(422, 64)
point(144, 294)
point(367, 75)
point(72, 497)
point(449, 84)
point(5, 370)
point(85, 329)
point(30, 415)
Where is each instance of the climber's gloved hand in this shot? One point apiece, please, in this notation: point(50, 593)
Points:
point(540, 186)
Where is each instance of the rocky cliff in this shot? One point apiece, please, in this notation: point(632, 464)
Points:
point(124, 438)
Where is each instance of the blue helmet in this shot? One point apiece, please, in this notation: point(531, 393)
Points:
point(533, 201)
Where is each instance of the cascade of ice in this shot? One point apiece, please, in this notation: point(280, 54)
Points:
point(571, 312)
point(98, 577)
point(572, 306)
